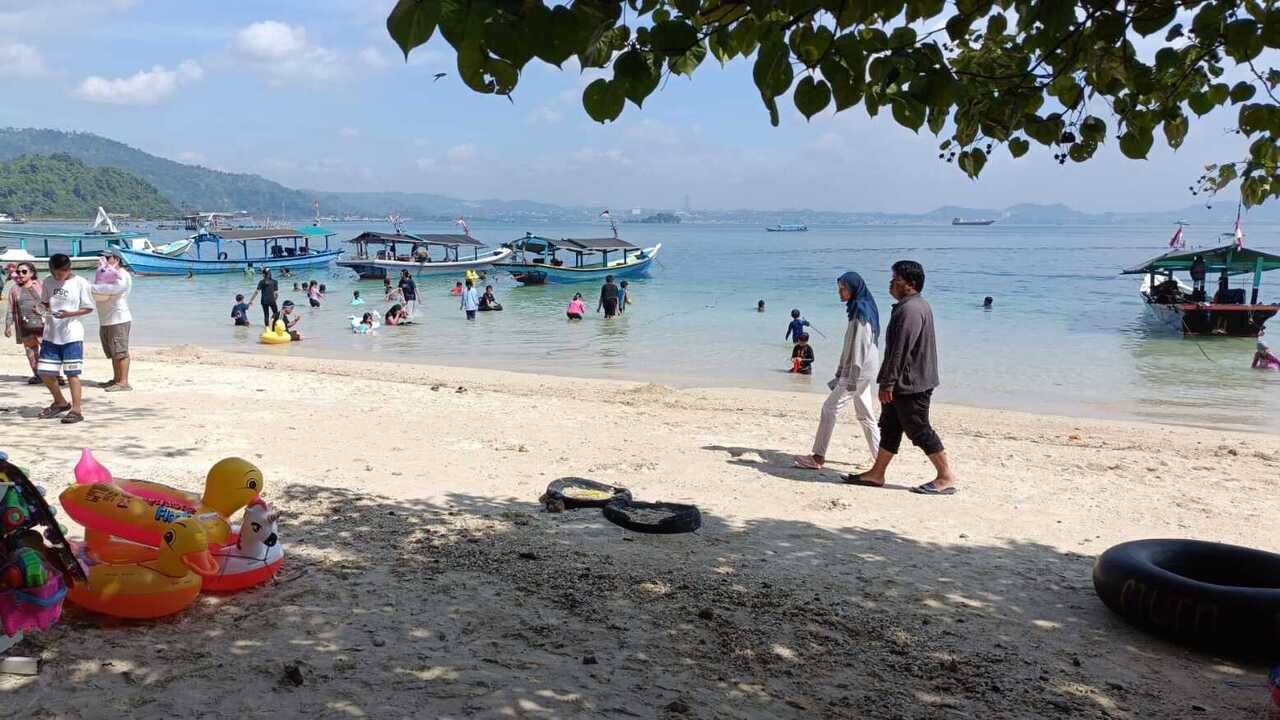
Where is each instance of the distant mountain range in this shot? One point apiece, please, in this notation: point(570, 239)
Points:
point(192, 187)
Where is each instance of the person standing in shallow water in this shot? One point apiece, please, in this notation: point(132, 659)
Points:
point(608, 298)
point(907, 378)
point(856, 373)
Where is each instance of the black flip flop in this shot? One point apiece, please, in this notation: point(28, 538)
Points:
point(53, 411)
point(929, 489)
point(856, 479)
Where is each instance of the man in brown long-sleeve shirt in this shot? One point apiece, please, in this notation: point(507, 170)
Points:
point(908, 375)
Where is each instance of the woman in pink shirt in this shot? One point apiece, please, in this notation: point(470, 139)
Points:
point(1264, 359)
point(576, 307)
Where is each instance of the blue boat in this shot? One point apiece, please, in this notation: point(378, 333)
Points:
point(536, 261)
point(281, 248)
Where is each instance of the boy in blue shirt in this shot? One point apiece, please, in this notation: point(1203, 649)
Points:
point(240, 312)
point(796, 326)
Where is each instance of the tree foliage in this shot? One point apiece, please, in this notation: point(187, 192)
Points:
point(1064, 75)
point(62, 186)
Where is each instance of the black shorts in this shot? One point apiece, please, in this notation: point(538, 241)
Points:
point(908, 414)
point(610, 307)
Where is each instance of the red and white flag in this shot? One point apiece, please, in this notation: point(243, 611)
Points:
point(1176, 240)
point(466, 229)
point(1239, 232)
point(605, 214)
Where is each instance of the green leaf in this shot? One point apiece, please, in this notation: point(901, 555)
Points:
point(1019, 147)
point(1136, 143)
point(772, 71)
point(634, 72)
point(506, 40)
point(722, 45)
point(1200, 103)
point(1093, 129)
point(937, 120)
point(902, 37)
point(972, 161)
point(603, 100)
point(412, 22)
point(1175, 130)
point(1081, 151)
point(811, 96)
point(1244, 42)
point(673, 37)
point(772, 105)
point(1152, 16)
point(997, 24)
point(844, 90)
point(552, 33)
point(1242, 92)
point(908, 113)
point(685, 64)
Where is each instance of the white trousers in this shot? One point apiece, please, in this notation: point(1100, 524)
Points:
point(863, 404)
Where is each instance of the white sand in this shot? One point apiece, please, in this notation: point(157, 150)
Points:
point(423, 580)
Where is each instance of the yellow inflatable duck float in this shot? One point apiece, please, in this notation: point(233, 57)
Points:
point(152, 589)
point(140, 511)
point(277, 335)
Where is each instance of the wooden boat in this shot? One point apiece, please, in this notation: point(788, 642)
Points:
point(19, 244)
point(799, 227)
point(281, 248)
point(536, 259)
point(381, 255)
point(1191, 310)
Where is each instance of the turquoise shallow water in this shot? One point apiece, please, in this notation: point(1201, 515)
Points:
point(1067, 333)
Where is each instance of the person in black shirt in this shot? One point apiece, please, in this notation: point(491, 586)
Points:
point(409, 289)
point(608, 298)
point(267, 288)
point(802, 355)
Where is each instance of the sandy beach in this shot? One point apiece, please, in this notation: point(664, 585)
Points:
point(424, 580)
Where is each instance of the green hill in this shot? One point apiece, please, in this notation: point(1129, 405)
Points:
point(63, 186)
point(187, 187)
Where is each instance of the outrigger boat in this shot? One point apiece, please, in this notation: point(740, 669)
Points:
point(381, 255)
point(21, 242)
point(536, 259)
point(1190, 310)
point(281, 248)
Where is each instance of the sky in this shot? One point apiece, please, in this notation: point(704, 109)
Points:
point(315, 95)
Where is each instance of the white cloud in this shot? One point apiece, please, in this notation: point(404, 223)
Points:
point(591, 156)
point(191, 157)
point(546, 115)
point(349, 132)
point(426, 164)
point(21, 61)
point(145, 87)
point(652, 132)
point(459, 154)
point(284, 54)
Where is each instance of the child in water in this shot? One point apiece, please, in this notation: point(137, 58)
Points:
point(1264, 359)
point(802, 355)
point(355, 298)
point(291, 320)
point(576, 307)
point(760, 306)
point(313, 293)
point(796, 327)
point(365, 325)
point(240, 311)
point(457, 289)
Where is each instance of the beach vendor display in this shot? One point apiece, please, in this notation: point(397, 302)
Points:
point(36, 563)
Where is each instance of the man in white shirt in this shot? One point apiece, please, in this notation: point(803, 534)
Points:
point(65, 299)
point(114, 320)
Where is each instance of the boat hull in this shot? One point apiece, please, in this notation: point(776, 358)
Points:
point(1199, 319)
point(148, 263)
point(79, 262)
point(540, 274)
point(379, 269)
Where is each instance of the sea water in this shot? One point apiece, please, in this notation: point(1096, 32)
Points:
point(1067, 333)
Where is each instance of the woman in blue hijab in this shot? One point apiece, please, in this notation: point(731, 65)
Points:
point(856, 373)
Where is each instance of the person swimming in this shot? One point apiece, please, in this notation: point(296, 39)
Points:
point(760, 306)
point(457, 289)
point(355, 298)
point(488, 302)
point(576, 308)
point(1264, 359)
point(396, 315)
point(365, 325)
point(987, 302)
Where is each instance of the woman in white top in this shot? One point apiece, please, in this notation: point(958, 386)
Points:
point(856, 374)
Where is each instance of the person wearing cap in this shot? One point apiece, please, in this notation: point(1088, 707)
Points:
point(1264, 359)
point(291, 320)
point(115, 320)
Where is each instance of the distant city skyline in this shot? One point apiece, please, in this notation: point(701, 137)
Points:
point(315, 95)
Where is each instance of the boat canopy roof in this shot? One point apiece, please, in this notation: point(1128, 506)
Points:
point(534, 242)
point(380, 238)
point(315, 231)
point(257, 234)
point(1226, 257)
point(29, 235)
